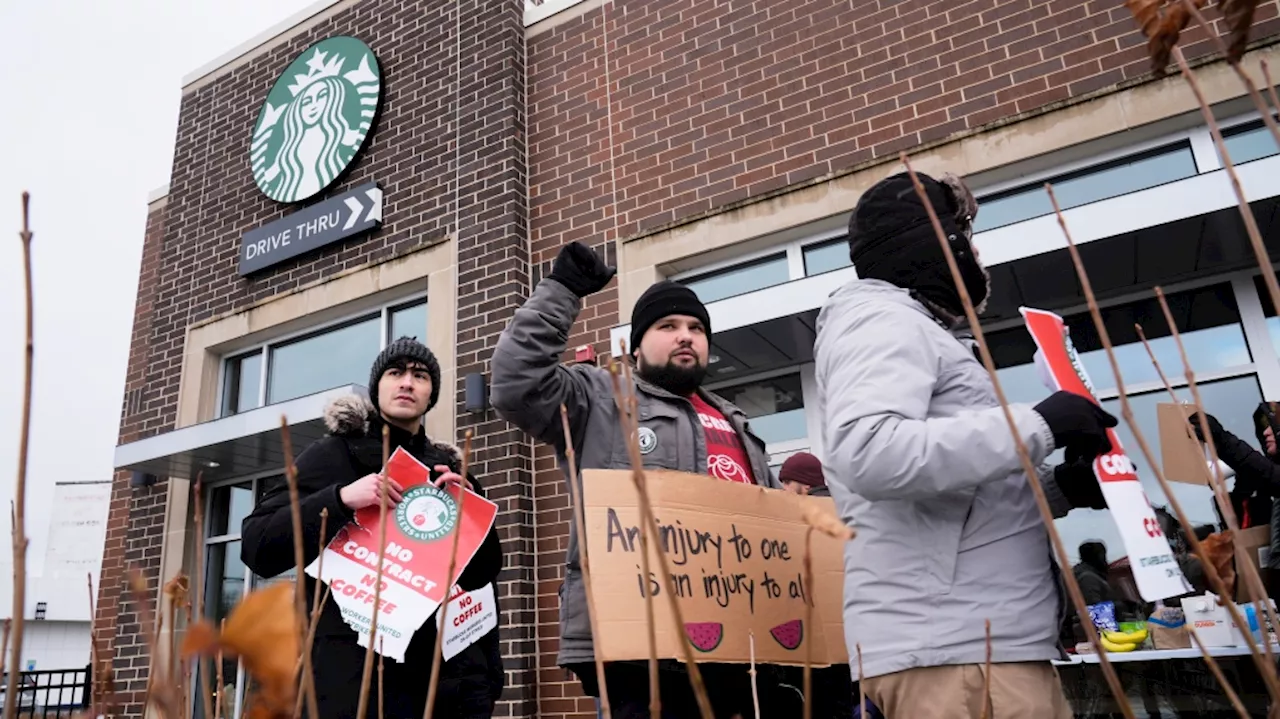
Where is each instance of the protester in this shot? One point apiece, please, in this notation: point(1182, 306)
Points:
point(920, 458)
point(1091, 573)
point(682, 427)
point(1257, 480)
point(802, 474)
point(340, 472)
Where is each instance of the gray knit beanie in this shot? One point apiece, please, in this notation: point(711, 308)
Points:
point(405, 349)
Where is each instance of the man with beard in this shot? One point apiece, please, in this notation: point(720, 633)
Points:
point(919, 457)
point(682, 427)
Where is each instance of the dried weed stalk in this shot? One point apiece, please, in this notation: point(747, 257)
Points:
point(1162, 21)
point(300, 586)
point(808, 622)
point(580, 525)
point(1217, 672)
point(366, 674)
point(630, 419)
point(986, 677)
point(1126, 409)
point(19, 538)
point(1073, 587)
point(437, 653)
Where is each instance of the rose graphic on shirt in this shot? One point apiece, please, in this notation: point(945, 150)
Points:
point(724, 467)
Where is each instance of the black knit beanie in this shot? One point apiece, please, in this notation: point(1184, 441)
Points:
point(405, 349)
point(662, 299)
point(891, 239)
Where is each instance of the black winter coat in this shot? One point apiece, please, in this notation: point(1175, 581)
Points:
point(471, 682)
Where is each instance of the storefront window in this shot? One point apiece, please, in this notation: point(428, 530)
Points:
point(775, 407)
point(322, 361)
point(1100, 182)
point(740, 279)
point(1207, 319)
point(409, 321)
point(1248, 142)
point(826, 257)
point(319, 361)
point(242, 383)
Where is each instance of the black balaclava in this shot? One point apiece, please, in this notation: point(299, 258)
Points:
point(891, 239)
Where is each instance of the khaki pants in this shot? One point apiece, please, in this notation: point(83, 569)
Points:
point(1018, 690)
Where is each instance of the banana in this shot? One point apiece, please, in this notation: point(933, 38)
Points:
point(1137, 637)
point(1113, 647)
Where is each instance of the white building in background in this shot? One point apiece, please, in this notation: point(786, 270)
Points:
point(59, 615)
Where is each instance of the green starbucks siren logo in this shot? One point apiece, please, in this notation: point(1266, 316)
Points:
point(426, 513)
point(315, 119)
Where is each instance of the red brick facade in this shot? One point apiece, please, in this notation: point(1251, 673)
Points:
point(712, 105)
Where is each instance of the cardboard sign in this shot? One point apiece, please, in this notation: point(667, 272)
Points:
point(416, 561)
point(1181, 455)
point(736, 555)
point(1155, 570)
point(468, 616)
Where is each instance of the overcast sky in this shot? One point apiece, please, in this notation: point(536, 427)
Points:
point(90, 113)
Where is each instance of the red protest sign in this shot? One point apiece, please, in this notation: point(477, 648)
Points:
point(1155, 569)
point(415, 563)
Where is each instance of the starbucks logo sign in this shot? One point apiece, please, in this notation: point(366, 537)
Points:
point(426, 513)
point(315, 119)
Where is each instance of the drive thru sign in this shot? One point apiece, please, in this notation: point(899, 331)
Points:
point(1155, 569)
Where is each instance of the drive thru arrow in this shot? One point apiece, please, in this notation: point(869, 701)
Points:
point(356, 207)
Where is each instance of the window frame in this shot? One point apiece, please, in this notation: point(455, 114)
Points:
point(263, 348)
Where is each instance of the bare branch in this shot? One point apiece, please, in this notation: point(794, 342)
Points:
point(808, 622)
point(755, 689)
point(207, 695)
point(367, 674)
point(1042, 503)
point(20, 489)
point(1246, 213)
point(580, 524)
point(862, 685)
point(437, 654)
point(646, 508)
point(300, 586)
point(986, 677)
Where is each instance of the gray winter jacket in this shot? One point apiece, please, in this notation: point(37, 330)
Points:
point(919, 458)
point(530, 383)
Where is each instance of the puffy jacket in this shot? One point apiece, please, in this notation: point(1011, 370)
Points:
point(472, 681)
point(919, 458)
point(1256, 486)
point(529, 385)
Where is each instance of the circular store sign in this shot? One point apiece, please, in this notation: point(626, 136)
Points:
point(315, 119)
point(426, 513)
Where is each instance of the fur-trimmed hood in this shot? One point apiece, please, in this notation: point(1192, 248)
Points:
point(351, 414)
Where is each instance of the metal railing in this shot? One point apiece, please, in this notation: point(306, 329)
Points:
point(50, 693)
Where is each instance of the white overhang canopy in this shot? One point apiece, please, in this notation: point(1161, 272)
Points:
point(239, 445)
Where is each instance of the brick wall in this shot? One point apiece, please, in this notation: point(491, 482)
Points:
point(135, 516)
point(715, 104)
point(191, 256)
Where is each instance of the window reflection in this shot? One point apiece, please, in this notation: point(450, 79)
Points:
point(1249, 142)
point(409, 321)
point(228, 506)
point(826, 257)
point(1100, 182)
point(775, 407)
point(241, 385)
point(323, 361)
point(740, 279)
point(1207, 318)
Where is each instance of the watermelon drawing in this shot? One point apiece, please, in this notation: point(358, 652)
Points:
point(704, 636)
point(789, 634)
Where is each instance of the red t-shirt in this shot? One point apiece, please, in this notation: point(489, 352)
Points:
point(726, 457)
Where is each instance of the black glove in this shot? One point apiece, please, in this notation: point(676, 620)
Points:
point(1079, 485)
point(1215, 427)
point(1078, 424)
point(580, 269)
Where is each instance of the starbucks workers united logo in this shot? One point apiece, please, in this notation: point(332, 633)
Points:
point(315, 119)
point(426, 513)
